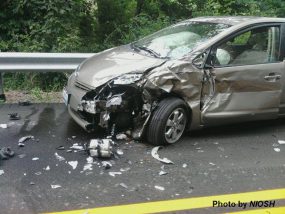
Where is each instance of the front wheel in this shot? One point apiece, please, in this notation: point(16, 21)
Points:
point(168, 122)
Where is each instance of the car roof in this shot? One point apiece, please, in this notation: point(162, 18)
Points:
point(234, 20)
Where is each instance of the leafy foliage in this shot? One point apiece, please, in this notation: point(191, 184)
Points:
point(94, 25)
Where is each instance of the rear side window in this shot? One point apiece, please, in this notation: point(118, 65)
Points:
point(257, 46)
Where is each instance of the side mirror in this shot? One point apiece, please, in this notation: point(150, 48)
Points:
point(198, 62)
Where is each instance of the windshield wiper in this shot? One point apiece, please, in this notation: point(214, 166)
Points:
point(150, 51)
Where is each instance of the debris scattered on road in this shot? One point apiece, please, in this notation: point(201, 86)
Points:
point(73, 137)
point(89, 160)
point(101, 148)
point(125, 169)
point(32, 183)
point(6, 153)
point(58, 157)
point(47, 168)
point(38, 173)
point(35, 159)
point(21, 144)
point(162, 173)
point(22, 155)
point(121, 137)
point(212, 164)
point(281, 142)
point(275, 144)
point(88, 166)
point(120, 152)
point(23, 139)
point(156, 156)
point(73, 164)
point(113, 174)
point(60, 148)
point(14, 116)
point(1, 172)
point(3, 126)
point(106, 164)
point(76, 146)
point(184, 165)
point(55, 186)
point(277, 149)
point(161, 188)
point(123, 185)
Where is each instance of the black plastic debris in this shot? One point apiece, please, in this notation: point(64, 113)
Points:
point(6, 153)
point(14, 116)
point(60, 148)
point(24, 103)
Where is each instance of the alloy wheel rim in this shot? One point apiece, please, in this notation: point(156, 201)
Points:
point(175, 125)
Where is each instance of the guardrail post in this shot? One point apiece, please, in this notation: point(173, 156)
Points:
point(2, 95)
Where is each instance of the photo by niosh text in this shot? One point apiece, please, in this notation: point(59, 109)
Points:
point(200, 72)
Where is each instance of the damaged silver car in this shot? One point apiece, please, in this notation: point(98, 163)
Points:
point(200, 72)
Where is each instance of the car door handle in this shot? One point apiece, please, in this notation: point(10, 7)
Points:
point(272, 77)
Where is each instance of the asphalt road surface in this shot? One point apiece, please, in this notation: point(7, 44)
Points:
point(213, 161)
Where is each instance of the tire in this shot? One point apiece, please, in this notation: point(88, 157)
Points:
point(165, 118)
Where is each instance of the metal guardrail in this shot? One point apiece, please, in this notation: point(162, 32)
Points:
point(38, 62)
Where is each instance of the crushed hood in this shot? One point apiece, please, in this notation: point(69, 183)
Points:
point(112, 63)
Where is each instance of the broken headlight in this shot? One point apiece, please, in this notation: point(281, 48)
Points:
point(127, 79)
point(88, 106)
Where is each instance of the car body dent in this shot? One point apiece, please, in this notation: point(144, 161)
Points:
point(107, 65)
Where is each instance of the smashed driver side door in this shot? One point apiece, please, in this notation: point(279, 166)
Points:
point(246, 73)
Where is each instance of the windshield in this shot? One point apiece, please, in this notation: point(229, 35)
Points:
point(178, 40)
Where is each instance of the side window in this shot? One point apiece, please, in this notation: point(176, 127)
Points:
point(257, 46)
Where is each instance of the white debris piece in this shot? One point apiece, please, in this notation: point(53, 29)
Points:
point(101, 148)
point(23, 139)
point(76, 146)
point(3, 126)
point(124, 185)
point(21, 144)
point(55, 186)
point(121, 137)
point(89, 159)
point(73, 164)
point(87, 166)
point(162, 173)
point(35, 158)
point(281, 142)
point(38, 173)
point(156, 156)
point(277, 150)
point(184, 165)
point(106, 164)
point(161, 188)
point(47, 168)
point(58, 157)
point(1, 172)
point(113, 174)
point(120, 152)
point(125, 169)
point(212, 164)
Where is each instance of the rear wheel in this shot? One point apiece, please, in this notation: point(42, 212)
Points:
point(168, 122)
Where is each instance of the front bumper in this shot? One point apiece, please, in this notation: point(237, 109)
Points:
point(72, 96)
point(80, 121)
